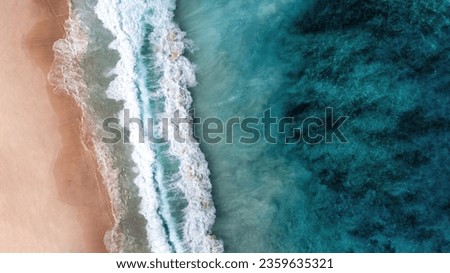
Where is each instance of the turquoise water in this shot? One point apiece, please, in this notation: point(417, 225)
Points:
point(382, 64)
point(238, 72)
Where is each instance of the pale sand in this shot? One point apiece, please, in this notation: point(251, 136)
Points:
point(50, 197)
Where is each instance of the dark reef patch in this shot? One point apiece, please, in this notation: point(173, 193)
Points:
point(386, 64)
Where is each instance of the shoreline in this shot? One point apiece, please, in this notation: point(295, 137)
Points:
point(54, 199)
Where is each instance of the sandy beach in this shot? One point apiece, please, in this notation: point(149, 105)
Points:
point(51, 198)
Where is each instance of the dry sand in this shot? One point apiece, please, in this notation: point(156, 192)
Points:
point(51, 199)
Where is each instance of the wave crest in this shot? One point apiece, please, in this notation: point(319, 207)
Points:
point(177, 75)
point(126, 21)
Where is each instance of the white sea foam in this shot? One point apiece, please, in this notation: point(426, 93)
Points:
point(66, 74)
point(125, 20)
point(177, 75)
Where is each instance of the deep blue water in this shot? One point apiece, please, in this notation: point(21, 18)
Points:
point(385, 65)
